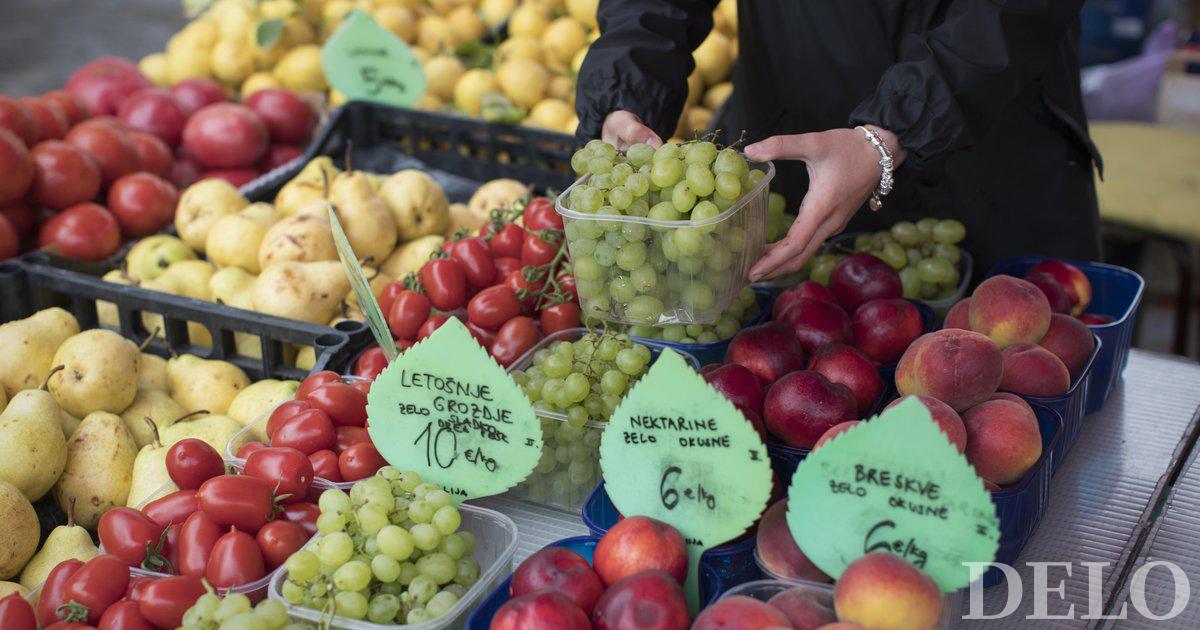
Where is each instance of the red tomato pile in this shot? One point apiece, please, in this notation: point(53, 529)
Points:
point(510, 280)
point(83, 168)
point(326, 424)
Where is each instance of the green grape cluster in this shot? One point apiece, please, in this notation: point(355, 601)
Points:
point(235, 612)
point(390, 551)
point(926, 254)
point(740, 312)
point(584, 381)
point(778, 219)
point(648, 273)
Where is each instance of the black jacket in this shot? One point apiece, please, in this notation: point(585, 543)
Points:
point(983, 93)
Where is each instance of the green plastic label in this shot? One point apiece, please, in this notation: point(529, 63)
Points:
point(366, 62)
point(445, 409)
point(678, 451)
point(896, 484)
point(362, 288)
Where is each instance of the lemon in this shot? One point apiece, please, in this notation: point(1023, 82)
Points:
point(200, 32)
point(549, 7)
point(466, 24)
point(232, 60)
point(563, 38)
point(717, 95)
point(695, 85)
point(312, 7)
point(297, 32)
point(275, 9)
point(421, 54)
point(156, 68)
point(469, 91)
point(435, 34)
point(577, 62)
point(523, 81)
point(300, 69)
point(411, 5)
point(441, 74)
point(429, 103)
point(333, 13)
point(714, 58)
point(258, 81)
point(562, 87)
point(444, 7)
point(336, 99)
point(528, 19)
point(399, 20)
point(494, 12)
point(571, 126)
point(519, 47)
point(698, 119)
point(236, 22)
point(584, 11)
point(187, 59)
point(550, 113)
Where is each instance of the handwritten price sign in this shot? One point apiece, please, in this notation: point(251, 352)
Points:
point(366, 62)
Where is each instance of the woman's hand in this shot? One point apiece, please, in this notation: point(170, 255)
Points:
point(843, 171)
point(622, 129)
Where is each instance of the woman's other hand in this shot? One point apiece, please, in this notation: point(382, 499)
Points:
point(623, 129)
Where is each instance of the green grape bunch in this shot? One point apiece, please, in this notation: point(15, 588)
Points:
point(390, 551)
point(236, 612)
point(741, 311)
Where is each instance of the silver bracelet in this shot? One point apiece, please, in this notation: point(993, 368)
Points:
point(885, 160)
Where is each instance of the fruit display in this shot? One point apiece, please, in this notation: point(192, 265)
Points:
point(211, 612)
point(389, 551)
point(742, 310)
point(663, 258)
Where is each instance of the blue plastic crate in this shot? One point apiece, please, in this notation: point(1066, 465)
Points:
point(1116, 292)
point(733, 563)
point(711, 585)
point(708, 353)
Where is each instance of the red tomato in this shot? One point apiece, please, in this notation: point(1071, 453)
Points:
point(70, 625)
point(493, 306)
point(434, 322)
point(84, 231)
point(505, 266)
point(283, 413)
point(536, 252)
point(242, 501)
point(303, 514)
point(364, 387)
point(370, 363)
point(516, 281)
point(360, 461)
point(540, 215)
point(308, 432)
point(344, 405)
point(325, 465)
point(278, 540)
point(171, 509)
point(560, 317)
point(191, 462)
point(131, 536)
point(445, 283)
point(388, 295)
point(135, 583)
point(324, 377)
point(235, 560)
point(98, 584)
point(476, 260)
point(196, 539)
point(247, 448)
point(16, 613)
point(54, 590)
point(408, 311)
point(567, 282)
point(124, 615)
point(515, 338)
point(164, 601)
point(507, 242)
point(484, 336)
point(349, 436)
point(287, 470)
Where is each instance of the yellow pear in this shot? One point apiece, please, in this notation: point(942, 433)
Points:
point(99, 468)
point(100, 373)
point(306, 291)
point(217, 431)
point(418, 204)
point(306, 358)
point(151, 256)
point(8, 588)
point(309, 185)
point(188, 278)
point(27, 348)
point(20, 531)
point(106, 312)
point(376, 279)
point(498, 194)
point(201, 205)
point(197, 383)
point(301, 237)
point(232, 286)
point(366, 219)
point(234, 240)
point(3, 400)
point(257, 400)
point(33, 451)
point(149, 472)
point(65, 542)
point(411, 256)
point(151, 404)
point(152, 372)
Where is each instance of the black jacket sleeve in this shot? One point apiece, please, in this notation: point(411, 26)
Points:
point(953, 80)
point(641, 62)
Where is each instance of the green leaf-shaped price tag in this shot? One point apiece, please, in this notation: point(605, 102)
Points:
point(896, 484)
point(366, 62)
point(445, 409)
point(678, 451)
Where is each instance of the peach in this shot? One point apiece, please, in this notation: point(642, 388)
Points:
point(540, 610)
point(1032, 370)
point(1009, 310)
point(638, 543)
point(739, 612)
point(958, 367)
point(1014, 398)
point(1070, 340)
point(946, 418)
point(835, 431)
point(1073, 281)
point(1055, 294)
point(646, 600)
point(1003, 440)
point(841, 625)
point(959, 315)
point(850, 367)
point(777, 550)
point(881, 591)
point(806, 608)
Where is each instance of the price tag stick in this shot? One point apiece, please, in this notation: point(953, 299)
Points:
point(362, 288)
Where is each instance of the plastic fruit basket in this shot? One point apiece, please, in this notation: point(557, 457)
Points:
point(764, 590)
point(1070, 405)
point(700, 265)
point(496, 542)
point(711, 585)
point(709, 353)
point(1117, 293)
point(554, 488)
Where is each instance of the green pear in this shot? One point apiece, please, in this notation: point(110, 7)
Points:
point(65, 542)
point(150, 468)
point(68, 423)
point(201, 205)
point(33, 451)
point(99, 468)
point(101, 373)
point(8, 588)
point(306, 291)
point(106, 312)
point(364, 215)
point(257, 400)
point(151, 256)
point(302, 237)
point(309, 185)
point(197, 383)
point(20, 531)
point(152, 372)
point(154, 405)
point(27, 348)
point(218, 431)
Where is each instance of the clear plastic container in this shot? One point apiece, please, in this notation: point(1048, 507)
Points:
point(764, 590)
point(553, 488)
point(496, 543)
point(696, 267)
